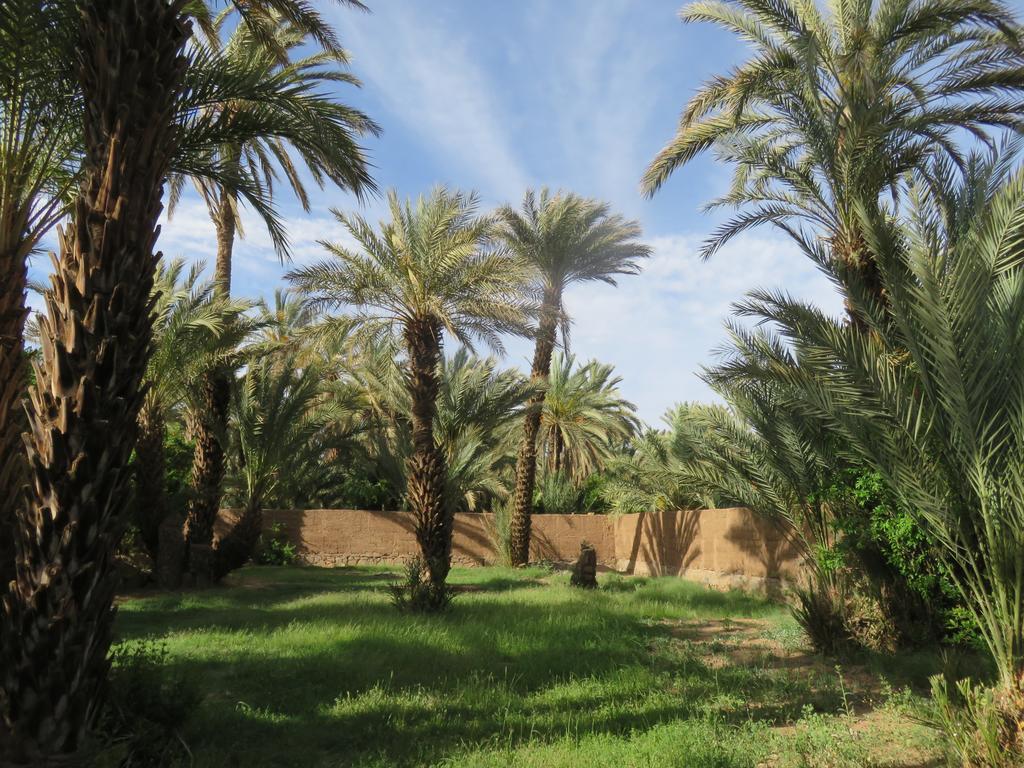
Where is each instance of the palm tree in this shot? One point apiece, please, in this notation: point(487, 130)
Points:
point(833, 109)
point(477, 409)
point(585, 419)
point(95, 338)
point(41, 156)
point(38, 162)
point(566, 239)
point(652, 477)
point(279, 413)
point(305, 121)
point(191, 330)
point(933, 401)
point(431, 269)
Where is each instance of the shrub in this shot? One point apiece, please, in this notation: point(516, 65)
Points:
point(500, 532)
point(145, 710)
point(981, 728)
point(276, 549)
point(557, 495)
point(820, 609)
point(884, 540)
point(415, 593)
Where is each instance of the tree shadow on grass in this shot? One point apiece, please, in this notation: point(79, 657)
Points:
point(317, 669)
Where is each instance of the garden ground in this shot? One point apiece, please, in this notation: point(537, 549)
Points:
point(314, 667)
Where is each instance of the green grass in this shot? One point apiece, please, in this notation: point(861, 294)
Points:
point(308, 667)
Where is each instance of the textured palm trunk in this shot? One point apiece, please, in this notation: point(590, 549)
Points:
point(855, 259)
point(150, 475)
point(239, 543)
point(13, 278)
point(427, 471)
point(526, 461)
point(207, 473)
point(95, 338)
point(210, 424)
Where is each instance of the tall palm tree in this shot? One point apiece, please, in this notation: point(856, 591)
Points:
point(191, 330)
point(39, 149)
point(585, 419)
point(41, 109)
point(306, 122)
point(836, 105)
point(934, 402)
point(566, 239)
point(478, 407)
point(431, 269)
point(279, 412)
point(95, 337)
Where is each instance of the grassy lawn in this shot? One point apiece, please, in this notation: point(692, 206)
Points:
point(310, 667)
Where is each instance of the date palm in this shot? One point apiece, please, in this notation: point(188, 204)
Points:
point(836, 105)
point(41, 111)
point(38, 160)
point(433, 268)
point(934, 401)
point(95, 338)
point(305, 123)
point(478, 408)
point(566, 239)
point(279, 414)
point(192, 329)
point(585, 419)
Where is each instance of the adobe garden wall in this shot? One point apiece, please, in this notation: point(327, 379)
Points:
point(720, 547)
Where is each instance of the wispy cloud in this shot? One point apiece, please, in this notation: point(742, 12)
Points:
point(661, 327)
point(427, 75)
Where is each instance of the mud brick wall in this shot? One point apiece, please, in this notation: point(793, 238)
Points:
point(720, 547)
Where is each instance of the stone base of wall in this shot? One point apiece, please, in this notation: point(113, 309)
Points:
point(722, 548)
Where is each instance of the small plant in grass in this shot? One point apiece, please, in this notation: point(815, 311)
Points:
point(826, 741)
point(499, 531)
point(276, 549)
point(416, 593)
point(982, 727)
point(146, 708)
point(819, 609)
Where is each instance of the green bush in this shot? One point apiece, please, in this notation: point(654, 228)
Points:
point(885, 541)
point(980, 728)
point(557, 495)
point(145, 710)
point(416, 594)
point(276, 549)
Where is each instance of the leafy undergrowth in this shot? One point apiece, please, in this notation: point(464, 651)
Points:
point(308, 667)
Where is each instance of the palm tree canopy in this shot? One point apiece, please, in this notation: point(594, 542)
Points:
point(570, 239)
point(584, 417)
point(192, 330)
point(933, 400)
point(250, 108)
point(835, 105)
point(40, 131)
point(279, 413)
point(435, 260)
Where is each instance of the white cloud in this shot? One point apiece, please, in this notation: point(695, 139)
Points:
point(660, 327)
point(428, 76)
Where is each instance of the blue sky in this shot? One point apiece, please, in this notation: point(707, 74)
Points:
point(574, 94)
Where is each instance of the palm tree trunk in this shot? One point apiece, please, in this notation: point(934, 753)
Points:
point(427, 471)
point(237, 545)
point(557, 450)
point(210, 423)
point(13, 279)
point(858, 266)
point(150, 470)
point(57, 621)
point(207, 473)
point(526, 461)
